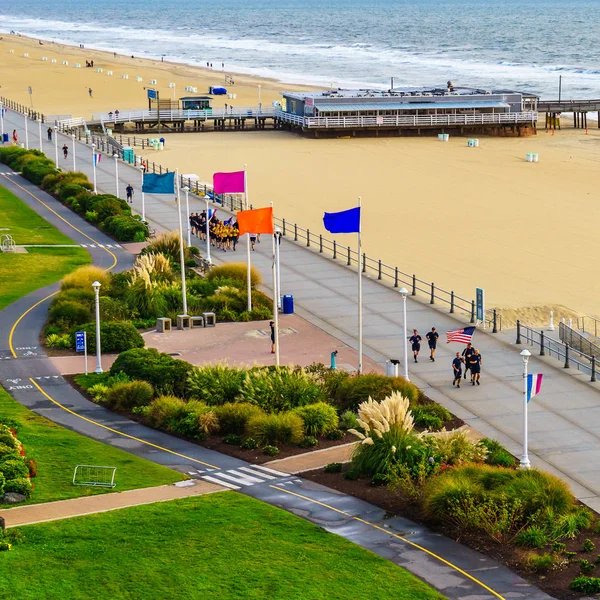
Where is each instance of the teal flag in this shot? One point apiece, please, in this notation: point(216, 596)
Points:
point(159, 184)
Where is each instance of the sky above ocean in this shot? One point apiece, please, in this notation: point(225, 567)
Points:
point(508, 44)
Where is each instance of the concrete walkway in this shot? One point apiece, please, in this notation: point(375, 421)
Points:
point(564, 432)
point(316, 459)
point(77, 507)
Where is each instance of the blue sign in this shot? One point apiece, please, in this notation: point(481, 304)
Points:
point(151, 94)
point(479, 300)
point(79, 341)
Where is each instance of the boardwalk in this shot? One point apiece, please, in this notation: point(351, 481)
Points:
point(564, 419)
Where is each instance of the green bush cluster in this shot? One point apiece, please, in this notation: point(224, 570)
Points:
point(33, 164)
point(586, 585)
point(14, 472)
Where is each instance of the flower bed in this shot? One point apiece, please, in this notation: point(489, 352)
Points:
point(471, 491)
point(16, 470)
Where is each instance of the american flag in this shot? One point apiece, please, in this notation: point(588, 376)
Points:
point(462, 336)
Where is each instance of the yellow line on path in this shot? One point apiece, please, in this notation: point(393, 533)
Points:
point(13, 328)
point(131, 437)
point(386, 531)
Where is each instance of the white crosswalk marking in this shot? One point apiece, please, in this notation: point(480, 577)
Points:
point(244, 476)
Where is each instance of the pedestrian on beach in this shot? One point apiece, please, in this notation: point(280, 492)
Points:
point(65, 150)
point(15, 137)
point(272, 326)
point(129, 193)
point(415, 340)
point(466, 355)
point(475, 362)
point(49, 134)
point(90, 92)
point(432, 338)
point(457, 363)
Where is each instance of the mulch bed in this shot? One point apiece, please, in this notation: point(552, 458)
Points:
point(555, 582)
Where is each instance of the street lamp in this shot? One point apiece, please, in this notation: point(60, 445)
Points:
point(26, 132)
point(56, 144)
point(40, 134)
point(74, 161)
point(116, 157)
point(2, 121)
point(94, 166)
point(96, 285)
point(142, 170)
point(525, 464)
point(278, 265)
point(186, 189)
point(404, 293)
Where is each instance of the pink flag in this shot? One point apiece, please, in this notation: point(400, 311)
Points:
point(229, 183)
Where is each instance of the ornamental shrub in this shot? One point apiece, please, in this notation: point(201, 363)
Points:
point(127, 396)
point(67, 189)
point(69, 313)
point(5, 546)
point(166, 374)
point(455, 447)
point(283, 428)
point(232, 439)
point(348, 420)
point(249, 444)
point(588, 545)
point(98, 392)
point(2, 482)
point(308, 441)
point(233, 418)
point(61, 342)
point(333, 468)
point(115, 336)
point(430, 416)
point(35, 170)
point(20, 485)
point(83, 278)
point(585, 566)
point(497, 454)
point(585, 585)
point(318, 418)
point(216, 384)
point(532, 537)
point(271, 450)
point(237, 272)
point(14, 468)
point(542, 562)
point(165, 412)
point(7, 451)
point(125, 228)
point(335, 434)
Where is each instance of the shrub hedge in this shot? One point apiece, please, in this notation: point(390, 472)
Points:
point(115, 336)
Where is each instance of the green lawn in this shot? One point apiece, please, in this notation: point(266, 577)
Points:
point(20, 274)
point(223, 546)
point(57, 450)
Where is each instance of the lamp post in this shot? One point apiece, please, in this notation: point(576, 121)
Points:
point(26, 132)
point(404, 293)
point(40, 134)
point(525, 464)
point(143, 195)
point(186, 189)
point(74, 161)
point(181, 248)
point(277, 235)
point(56, 144)
point(208, 259)
point(116, 157)
point(2, 121)
point(96, 285)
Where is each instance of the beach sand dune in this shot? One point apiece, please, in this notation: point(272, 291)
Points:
point(462, 217)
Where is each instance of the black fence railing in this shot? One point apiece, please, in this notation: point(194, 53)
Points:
point(31, 112)
point(575, 340)
point(568, 355)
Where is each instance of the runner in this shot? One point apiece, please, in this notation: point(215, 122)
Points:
point(457, 363)
point(129, 193)
point(466, 354)
point(253, 240)
point(415, 340)
point(432, 338)
point(65, 150)
point(475, 362)
point(272, 325)
point(15, 137)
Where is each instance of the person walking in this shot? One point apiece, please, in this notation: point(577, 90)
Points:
point(90, 92)
point(415, 340)
point(129, 193)
point(15, 137)
point(49, 132)
point(432, 338)
point(65, 150)
point(475, 362)
point(272, 326)
point(466, 356)
point(253, 240)
point(457, 363)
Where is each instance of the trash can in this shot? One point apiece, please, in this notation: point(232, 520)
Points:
point(391, 367)
point(288, 304)
point(5, 138)
point(128, 155)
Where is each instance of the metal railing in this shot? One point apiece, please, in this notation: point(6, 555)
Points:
point(589, 325)
point(406, 120)
point(560, 350)
point(575, 340)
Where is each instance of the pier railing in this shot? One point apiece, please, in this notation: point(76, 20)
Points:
point(23, 109)
point(589, 325)
point(575, 340)
point(570, 356)
point(406, 120)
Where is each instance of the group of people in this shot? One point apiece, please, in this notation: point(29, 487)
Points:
point(470, 358)
point(224, 235)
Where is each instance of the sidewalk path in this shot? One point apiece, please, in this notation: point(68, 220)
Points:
point(76, 507)
point(31, 378)
point(564, 420)
point(314, 460)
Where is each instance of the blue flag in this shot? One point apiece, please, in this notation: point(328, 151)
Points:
point(346, 221)
point(159, 184)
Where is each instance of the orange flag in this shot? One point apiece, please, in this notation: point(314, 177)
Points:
point(259, 220)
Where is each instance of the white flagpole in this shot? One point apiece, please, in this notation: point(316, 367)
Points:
point(524, 463)
point(94, 166)
point(275, 308)
point(26, 132)
point(360, 316)
point(208, 259)
point(248, 275)
point(181, 242)
point(143, 195)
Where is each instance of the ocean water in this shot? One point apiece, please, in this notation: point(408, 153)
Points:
point(483, 43)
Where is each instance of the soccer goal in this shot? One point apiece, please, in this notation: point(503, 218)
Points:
point(94, 476)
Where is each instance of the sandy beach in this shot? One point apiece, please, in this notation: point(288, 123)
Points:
point(463, 217)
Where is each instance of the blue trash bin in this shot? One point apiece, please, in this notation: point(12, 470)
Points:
point(5, 138)
point(288, 304)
